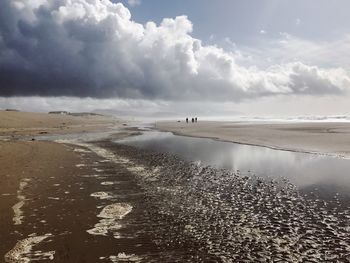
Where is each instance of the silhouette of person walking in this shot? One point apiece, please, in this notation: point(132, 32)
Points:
point(192, 120)
point(186, 120)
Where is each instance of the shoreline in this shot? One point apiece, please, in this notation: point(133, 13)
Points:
point(328, 154)
point(208, 133)
point(100, 201)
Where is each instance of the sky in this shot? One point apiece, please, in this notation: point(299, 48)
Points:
point(173, 58)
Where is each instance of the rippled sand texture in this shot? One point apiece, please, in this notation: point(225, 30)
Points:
point(235, 217)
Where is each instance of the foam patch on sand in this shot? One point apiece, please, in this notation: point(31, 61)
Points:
point(106, 154)
point(101, 195)
point(110, 215)
point(104, 226)
point(122, 257)
point(81, 150)
point(23, 251)
point(125, 162)
point(90, 175)
point(17, 208)
point(53, 198)
point(114, 212)
point(117, 210)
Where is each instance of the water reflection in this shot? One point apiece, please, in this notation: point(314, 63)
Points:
point(303, 169)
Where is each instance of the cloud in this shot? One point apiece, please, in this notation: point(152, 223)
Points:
point(134, 2)
point(326, 54)
point(92, 48)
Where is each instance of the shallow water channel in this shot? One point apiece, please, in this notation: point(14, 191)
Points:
point(307, 171)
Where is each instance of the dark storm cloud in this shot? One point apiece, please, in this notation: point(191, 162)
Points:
point(92, 48)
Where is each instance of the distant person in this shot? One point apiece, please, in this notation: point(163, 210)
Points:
point(186, 120)
point(192, 120)
point(195, 119)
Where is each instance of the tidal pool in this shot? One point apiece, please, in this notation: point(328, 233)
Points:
point(303, 169)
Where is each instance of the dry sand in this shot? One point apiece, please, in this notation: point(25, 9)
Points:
point(328, 138)
point(27, 123)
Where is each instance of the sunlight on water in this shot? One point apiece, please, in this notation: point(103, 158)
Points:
point(301, 168)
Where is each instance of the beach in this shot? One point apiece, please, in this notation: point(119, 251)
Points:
point(314, 137)
point(67, 200)
point(14, 123)
point(70, 199)
point(174, 132)
point(44, 197)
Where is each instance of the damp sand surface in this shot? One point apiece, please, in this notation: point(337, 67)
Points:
point(44, 193)
point(160, 208)
point(203, 214)
point(59, 201)
point(36, 177)
point(319, 137)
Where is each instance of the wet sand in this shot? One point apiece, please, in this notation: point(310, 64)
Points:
point(100, 201)
point(58, 209)
point(80, 204)
point(105, 202)
point(65, 202)
point(203, 214)
point(326, 138)
point(45, 203)
point(31, 197)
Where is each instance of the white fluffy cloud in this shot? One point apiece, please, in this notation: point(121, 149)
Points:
point(92, 48)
